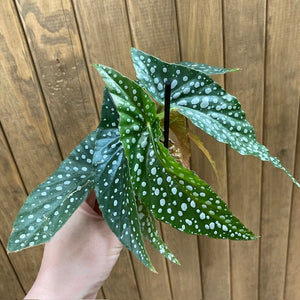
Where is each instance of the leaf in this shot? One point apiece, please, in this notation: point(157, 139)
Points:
point(204, 102)
point(150, 232)
point(201, 146)
point(54, 201)
point(172, 193)
point(206, 69)
point(113, 186)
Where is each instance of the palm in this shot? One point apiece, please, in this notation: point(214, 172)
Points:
point(81, 255)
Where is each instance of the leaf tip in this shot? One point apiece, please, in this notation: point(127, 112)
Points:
point(235, 69)
point(10, 249)
point(253, 236)
point(153, 270)
point(133, 51)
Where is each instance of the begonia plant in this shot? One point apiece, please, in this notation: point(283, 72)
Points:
point(136, 177)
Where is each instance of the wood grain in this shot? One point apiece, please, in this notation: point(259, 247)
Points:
point(151, 285)
point(10, 287)
point(154, 27)
point(244, 182)
point(122, 284)
point(55, 46)
point(201, 40)
point(280, 129)
point(12, 195)
point(100, 294)
point(106, 39)
point(23, 114)
point(186, 278)
point(292, 287)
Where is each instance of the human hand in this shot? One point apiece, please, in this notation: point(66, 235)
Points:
point(79, 258)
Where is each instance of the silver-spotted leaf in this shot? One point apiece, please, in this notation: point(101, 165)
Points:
point(173, 194)
point(206, 69)
point(53, 202)
point(113, 187)
point(203, 101)
point(150, 232)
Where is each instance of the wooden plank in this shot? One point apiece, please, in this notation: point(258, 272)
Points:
point(12, 194)
point(105, 35)
point(244, 32)
point(186, 278)
point(292, 290)
point(100, 294)
point(200, 28)
point(151, 285)
point(55, 45)
point(121, 284)
point(154, 27)
point(23, 113)
point(280, 129)
point(10, 287)
point(10, 187)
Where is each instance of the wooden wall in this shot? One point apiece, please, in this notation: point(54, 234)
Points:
point(50, 97)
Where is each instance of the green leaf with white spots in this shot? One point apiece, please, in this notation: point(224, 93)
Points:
point(53, 202)
point(206, 69)
point(173, 194)
point(200, 99)
point(150, 232)
point(113, 186)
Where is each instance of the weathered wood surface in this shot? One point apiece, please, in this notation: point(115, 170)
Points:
point(281, 117)
point(10, 188)
point(25, 264)
point(51, 97)
point(248, 86)
point(106, 38)
point(202, 40)
point(52, 34)
point(292, 290)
